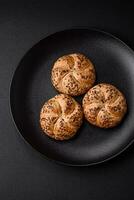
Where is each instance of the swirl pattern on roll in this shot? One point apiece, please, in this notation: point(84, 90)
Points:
point(61, 117)
point(104, 105)
point(73, 74)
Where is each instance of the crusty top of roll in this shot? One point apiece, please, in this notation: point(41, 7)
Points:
point(104, 105)
point(61, 117)
point(73, 74)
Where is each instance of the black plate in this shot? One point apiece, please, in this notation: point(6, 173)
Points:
point(31, 87)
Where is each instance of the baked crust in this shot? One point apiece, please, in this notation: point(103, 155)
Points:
point(61, 117)
point(104, 105)
point(73, 74)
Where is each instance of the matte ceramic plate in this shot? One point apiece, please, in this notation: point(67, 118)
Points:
point(31, 87)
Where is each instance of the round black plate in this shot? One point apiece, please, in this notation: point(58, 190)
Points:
point(31, 87)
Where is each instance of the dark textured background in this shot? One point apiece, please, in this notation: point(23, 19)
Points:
point(24, 174)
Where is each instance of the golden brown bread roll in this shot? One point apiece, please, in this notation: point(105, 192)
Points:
point(61, 117)
point(73, 74)
point(104, 105)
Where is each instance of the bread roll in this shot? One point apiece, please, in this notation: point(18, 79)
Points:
point(73, 74)
point(61, 117)
point(104, 105)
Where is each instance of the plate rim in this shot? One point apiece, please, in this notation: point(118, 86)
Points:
point(10, 104)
